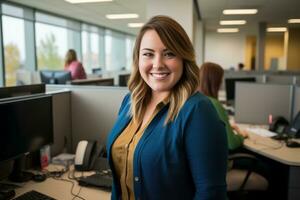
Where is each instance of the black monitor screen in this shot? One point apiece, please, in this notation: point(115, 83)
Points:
point(230, 86)
point(55, 77)
point(26, 126)
point(6, 92)
point(123, 79)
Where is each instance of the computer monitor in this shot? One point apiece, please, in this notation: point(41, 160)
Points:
point(55, 77)
point(26, 126)
point(97, 71)
point(13, 91)
point(255, 102)
point(123, 79)
point(230, 86)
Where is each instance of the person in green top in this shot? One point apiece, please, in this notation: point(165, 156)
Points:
point(211, 75)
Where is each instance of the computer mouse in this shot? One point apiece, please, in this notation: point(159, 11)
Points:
point(39, 177)
point(292, 144)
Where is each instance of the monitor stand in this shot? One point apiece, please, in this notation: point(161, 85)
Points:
point(17, 174)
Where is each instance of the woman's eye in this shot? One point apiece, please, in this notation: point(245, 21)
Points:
point(170, 54)
point(147, 54)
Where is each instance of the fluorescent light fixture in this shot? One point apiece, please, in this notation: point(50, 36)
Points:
point(232, 22)
point(277, 29)
point(135, 25)
point(239, 11)
point(227, 30)
point(87, 1)
point(122, 16)
point(291, 21)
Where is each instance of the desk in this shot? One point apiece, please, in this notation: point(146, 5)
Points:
point(277, 151)
point(61, 190)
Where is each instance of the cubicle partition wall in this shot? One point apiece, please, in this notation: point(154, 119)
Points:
point(94, 110)
point(296, 107)
point(61, 105)
point(280, 79)
point(297, 80)
point(254, 102)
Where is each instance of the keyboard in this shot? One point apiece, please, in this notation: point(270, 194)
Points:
point(261, 132)
point(34, 195)
point(101, 180)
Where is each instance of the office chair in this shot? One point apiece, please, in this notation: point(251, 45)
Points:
point(244, 184)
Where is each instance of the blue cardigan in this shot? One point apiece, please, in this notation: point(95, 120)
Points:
point(185, 159)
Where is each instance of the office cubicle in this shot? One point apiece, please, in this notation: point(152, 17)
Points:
point(61, 106)
point(94, 81)
point(280, 79)
point(297, 80)
point(255, 102)
point(93, 110)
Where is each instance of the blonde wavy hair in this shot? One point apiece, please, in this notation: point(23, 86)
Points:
point(176, 40)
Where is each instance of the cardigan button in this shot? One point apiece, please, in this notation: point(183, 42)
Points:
point(136, 179)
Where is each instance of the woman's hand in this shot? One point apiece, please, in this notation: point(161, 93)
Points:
point(239, 131)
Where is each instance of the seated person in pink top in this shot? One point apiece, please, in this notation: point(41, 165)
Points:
point(74, 66)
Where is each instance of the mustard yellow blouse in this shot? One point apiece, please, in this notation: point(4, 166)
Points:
point(123, 152)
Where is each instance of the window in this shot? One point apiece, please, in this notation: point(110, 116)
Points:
point(129, 51)
point(54, 36)
point(14, 47)
point(115, 50)
point(92, 47)
point(17, 26)
point(51, 46)
point(34, 40)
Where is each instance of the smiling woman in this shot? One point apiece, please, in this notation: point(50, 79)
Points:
point(158, 147)
point(160, 68)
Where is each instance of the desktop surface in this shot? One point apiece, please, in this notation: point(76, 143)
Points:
point(61, 189)
point(274, 149)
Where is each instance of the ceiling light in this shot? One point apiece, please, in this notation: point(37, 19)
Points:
point(291, 21)
point(87, 1)
point(135, 25)
point(240, 11)
point(232, 22)
point(228, 30)
point(277, 29)
point(122, 16)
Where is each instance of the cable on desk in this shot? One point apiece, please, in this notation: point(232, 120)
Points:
point(268, 146)
point(73, 176)
point(77, 195)
point(72, 193)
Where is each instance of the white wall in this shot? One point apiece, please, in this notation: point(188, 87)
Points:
point(181, 11)
point(198, 39)
point(227, 49)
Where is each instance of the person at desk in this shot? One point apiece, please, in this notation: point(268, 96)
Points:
point(241, 66)
point(211, 75)
point(74, 66)
point(167, 142)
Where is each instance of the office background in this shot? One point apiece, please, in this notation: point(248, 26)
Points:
point(37, 33)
